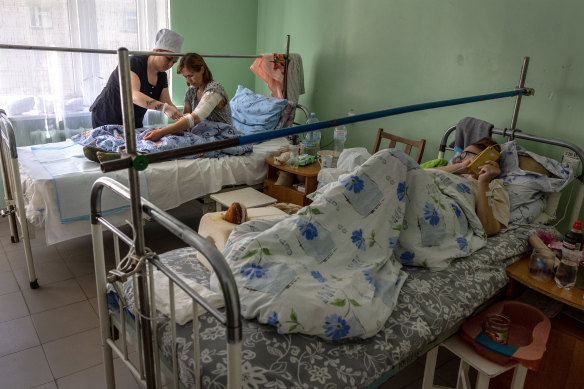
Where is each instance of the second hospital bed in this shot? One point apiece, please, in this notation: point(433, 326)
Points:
point(431, 307)
point(219, 349)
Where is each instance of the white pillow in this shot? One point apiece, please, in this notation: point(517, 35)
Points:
point(20, 106)
point(74, 105)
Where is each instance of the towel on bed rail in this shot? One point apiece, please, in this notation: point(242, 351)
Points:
point(468, 131)
point(111, 137)
point(334, 268)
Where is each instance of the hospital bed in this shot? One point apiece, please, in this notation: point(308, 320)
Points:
point(46, 185)
point(430, 308)
point(223, 350)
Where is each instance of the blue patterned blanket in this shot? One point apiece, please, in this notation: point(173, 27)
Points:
point(334, 269)
point(111, 137)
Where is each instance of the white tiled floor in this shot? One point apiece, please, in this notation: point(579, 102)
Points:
point(49, 337)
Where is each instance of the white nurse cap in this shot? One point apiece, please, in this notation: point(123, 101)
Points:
point(168, 40)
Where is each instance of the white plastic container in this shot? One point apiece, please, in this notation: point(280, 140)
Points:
point(339, 138)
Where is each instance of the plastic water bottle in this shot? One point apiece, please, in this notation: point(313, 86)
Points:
point(312, 139)
point(571, 254)
point(339, 138)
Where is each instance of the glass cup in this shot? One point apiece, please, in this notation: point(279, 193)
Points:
point(541, 264)
point(496, 327)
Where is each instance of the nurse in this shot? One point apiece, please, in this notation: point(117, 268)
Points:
point(149, 85)
point(205, 98)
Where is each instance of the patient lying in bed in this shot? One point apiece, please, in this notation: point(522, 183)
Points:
point(334, 269)
point(492, 199)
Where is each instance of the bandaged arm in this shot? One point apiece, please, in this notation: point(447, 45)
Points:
point(207, 104)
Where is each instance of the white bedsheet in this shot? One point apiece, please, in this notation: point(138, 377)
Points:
point(168, 185)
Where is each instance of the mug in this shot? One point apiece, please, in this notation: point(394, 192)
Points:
point(496, 327)
point(325, 160)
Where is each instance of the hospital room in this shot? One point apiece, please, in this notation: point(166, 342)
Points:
point(291, 194)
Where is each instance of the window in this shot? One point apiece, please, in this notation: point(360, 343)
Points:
point(58, 77)
point(130, 22)
point(40, 17)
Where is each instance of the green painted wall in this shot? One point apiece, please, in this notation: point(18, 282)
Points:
point(217, 27)
point(377, 54)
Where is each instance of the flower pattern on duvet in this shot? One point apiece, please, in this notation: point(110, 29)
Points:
point(456, 209)
point(307, 229)
point(358, 240)
point(401, 191)
point(407, 258)
point(296, 361)
point(368, 273)
point(462, 244)
point(431, 214)
point(251, 270)
point(353, 184)
point(317, 276)
point(335, 327)
point(463, 188)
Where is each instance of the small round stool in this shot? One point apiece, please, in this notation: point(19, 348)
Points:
point(469, 357)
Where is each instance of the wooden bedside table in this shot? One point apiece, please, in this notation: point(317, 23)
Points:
point(519, 272)
point(288, 194)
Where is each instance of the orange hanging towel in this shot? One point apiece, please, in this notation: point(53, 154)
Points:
point(270, 68)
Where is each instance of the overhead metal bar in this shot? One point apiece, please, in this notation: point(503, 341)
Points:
point(141, 163)
point(100, 51)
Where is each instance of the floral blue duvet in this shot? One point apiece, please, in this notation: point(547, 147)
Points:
point(334, 269)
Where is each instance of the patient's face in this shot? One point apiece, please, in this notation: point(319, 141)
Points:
point(469, 153)
point(192, 77)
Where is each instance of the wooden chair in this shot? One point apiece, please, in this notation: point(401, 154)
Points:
point(394, 139)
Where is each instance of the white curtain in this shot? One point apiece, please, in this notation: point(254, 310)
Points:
point(47, 91)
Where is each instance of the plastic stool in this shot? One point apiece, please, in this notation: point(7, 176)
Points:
point(249, 197)
point(469, 357)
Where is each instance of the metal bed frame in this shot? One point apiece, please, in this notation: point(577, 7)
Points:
point(149, 366)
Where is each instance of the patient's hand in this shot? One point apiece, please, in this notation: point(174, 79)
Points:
point(153, 135)
point(489, 171)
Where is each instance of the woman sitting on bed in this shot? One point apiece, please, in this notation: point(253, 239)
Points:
point(205, 98)
point(492, 199)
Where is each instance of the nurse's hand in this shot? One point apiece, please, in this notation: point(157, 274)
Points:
point(153, 135)
point(171, 111)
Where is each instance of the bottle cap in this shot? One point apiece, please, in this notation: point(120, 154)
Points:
point(577, 225)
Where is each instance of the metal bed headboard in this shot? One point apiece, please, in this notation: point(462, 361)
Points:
point(231, 319)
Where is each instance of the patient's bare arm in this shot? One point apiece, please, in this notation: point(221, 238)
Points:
point(489, 171)
point(456, 168)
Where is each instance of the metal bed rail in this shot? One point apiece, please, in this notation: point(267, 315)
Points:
point(144, 322)
point(15, 208)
